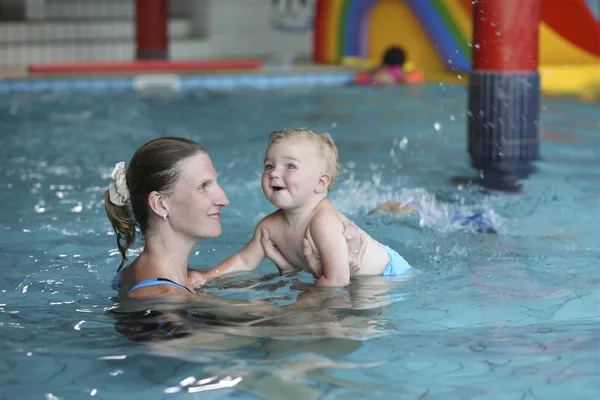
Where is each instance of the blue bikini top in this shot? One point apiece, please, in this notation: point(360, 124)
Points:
point(147, 282)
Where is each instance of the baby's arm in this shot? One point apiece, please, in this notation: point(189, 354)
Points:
point(328, 235)
point(247, 259)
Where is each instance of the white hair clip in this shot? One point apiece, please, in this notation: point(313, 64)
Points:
point(117, 190)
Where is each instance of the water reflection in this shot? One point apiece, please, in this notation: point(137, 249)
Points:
point(278, 348)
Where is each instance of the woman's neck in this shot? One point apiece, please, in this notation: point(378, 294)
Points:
point(166, 256)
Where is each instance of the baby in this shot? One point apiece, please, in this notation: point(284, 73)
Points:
point(300, 166)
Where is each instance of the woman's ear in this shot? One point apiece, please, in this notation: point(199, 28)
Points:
point(157, 205)
point(323, 183)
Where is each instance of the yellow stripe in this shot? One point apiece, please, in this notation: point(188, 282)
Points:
point(333, 29)
point(556, 50)
point(461, 18)
point(385, 30)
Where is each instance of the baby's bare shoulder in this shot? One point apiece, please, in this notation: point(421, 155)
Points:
point(271, 221)
point(327, 216)
point(328, 210)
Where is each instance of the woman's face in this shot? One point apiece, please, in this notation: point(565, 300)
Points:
point(195, 203)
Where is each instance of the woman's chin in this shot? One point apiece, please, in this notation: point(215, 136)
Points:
point(211, 233)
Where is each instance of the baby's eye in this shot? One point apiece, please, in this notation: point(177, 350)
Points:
point(291, 166)
point(268, 167)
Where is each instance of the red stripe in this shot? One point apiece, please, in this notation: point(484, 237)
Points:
point(146, 66)
point(320, 31)
point(573, 20)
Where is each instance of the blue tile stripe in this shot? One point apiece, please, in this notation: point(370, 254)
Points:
point(186, 82)
point(504, 118)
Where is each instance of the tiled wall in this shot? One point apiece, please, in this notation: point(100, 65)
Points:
point(233, 28)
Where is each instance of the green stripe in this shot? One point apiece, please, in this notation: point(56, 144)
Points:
point(453, 28)
point(341, 33)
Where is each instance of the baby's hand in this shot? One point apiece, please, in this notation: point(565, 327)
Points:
point(197, 278)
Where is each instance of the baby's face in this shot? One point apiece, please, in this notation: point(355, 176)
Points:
point(291, 172)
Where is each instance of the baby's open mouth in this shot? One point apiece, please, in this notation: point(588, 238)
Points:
point(277, 188)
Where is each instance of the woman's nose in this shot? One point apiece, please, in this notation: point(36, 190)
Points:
point(221, 198)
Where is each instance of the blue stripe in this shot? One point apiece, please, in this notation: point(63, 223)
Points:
point(447, 47)
point(190, 82)
point(155, 282)
point(351, 27)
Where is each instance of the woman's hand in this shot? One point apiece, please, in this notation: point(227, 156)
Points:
point(357, 244)
point(273, 253)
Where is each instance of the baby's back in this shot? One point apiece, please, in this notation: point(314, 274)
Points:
point(376, 257)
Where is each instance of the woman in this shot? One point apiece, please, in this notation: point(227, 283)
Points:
point(170, 192)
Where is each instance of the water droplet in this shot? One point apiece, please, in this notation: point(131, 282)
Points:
point(404, 143)
point(437, 126)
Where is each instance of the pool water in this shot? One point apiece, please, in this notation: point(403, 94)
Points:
point(512, 315)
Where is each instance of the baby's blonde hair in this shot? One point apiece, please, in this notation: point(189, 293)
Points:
point(323, 141)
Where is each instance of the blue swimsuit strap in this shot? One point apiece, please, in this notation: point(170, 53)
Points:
point(156, 282)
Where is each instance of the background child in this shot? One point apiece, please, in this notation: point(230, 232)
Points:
point(391, 70)
point(300, 166)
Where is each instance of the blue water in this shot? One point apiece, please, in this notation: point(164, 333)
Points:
point(507, 316)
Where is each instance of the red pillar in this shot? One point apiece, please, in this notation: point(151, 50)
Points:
point(152, 29)
point(504, 86)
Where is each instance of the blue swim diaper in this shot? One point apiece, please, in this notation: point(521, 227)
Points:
point(397, 265)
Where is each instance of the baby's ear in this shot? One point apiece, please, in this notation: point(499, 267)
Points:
point(323, 183)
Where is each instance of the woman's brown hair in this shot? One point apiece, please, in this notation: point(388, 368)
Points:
point(156, 166)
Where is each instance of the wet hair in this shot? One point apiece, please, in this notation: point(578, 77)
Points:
point(156, 166)
point(394, 56)
point(323, 141)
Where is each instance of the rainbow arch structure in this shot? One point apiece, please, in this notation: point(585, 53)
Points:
point(341, 30)
point(437, 36)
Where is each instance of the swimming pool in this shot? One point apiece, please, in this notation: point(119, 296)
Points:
point(507, 316)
